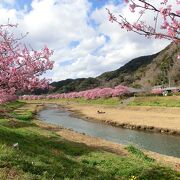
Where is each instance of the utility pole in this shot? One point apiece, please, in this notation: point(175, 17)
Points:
point(169, 74)
point(169, 78)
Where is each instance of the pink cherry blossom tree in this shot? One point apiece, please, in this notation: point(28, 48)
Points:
point(165, 23)
point(20, 68)
point(87, 94)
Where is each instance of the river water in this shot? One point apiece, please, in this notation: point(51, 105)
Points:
point(161, 143)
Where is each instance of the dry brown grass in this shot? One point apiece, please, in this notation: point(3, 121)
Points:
point(157, 117)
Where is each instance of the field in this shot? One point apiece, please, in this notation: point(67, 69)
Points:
point(161, 101)
point(169, 101)
point(42, 154)
point(100, 101)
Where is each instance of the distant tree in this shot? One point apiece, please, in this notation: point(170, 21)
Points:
point(20, 68)
point(87, 94)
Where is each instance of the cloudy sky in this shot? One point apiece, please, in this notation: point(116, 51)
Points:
point(85, 43)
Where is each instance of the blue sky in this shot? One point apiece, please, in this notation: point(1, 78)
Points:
point(85, 43)
point(19, 4)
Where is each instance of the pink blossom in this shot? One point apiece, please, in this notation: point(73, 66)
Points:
point(178, 12)
point(132, 7)
point(20, 67)
point(166, 19)
point(157, 91)
point(88, 94)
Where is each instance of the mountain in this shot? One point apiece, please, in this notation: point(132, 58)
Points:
point(79, 84)
point(162, 68)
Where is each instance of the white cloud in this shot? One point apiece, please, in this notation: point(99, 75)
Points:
point(98, 48)
point(123, 45)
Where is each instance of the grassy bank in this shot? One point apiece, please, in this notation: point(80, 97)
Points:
point(42, 154)
point(100, 101)
point(165, 101)
point(169, 101)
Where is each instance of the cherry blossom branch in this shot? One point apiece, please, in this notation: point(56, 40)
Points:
point(20, 68)
point(170, 26)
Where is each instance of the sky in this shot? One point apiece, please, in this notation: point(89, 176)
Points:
point(84, 42)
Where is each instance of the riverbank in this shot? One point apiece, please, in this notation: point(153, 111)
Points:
point(162, 115)
point(107, 145)
point(31, 149)
point(144, 118)
point(45, 151)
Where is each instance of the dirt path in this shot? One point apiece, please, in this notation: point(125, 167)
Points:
point(143, 118)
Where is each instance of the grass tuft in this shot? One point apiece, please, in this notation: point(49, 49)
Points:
point(138, 153)
point(25, 116)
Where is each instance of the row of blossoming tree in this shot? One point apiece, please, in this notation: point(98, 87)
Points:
point(20, 68)
point(88, 94)
point(96, 93)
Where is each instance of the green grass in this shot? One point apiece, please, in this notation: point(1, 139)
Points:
point(171, 101)
point(126, 167)
point(138, 153)
point(42, 154)
point(12, 105)
point(100, 101)
point(24, 116)
point(8, 108)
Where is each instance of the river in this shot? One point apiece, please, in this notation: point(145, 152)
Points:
point(160, 143)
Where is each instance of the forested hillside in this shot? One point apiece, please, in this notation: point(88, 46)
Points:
point(162, 68)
